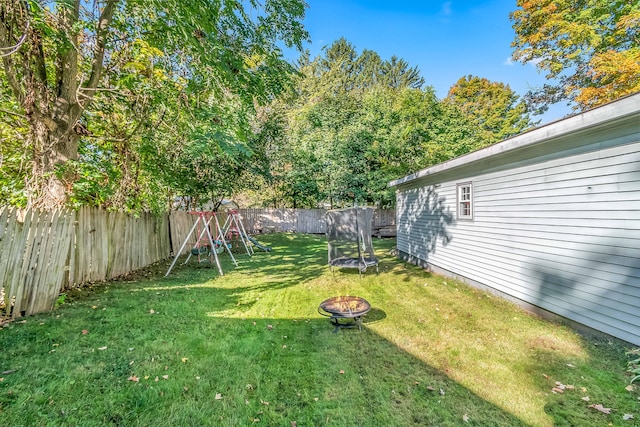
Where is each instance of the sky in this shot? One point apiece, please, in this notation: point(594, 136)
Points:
point(445, 40)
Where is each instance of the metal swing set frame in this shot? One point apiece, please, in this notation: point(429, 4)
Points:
point(205, 244)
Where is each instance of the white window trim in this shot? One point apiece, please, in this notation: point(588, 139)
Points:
point(459, 201)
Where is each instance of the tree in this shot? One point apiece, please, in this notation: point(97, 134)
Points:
point(353, 123)
point(492, 106)
point(591, 46)
point(56, 56)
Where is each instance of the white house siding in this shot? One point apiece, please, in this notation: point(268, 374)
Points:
point(561, 234)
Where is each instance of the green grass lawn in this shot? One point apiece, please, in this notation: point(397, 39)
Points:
point(249, 348)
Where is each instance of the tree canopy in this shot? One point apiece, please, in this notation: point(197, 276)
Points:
point(492, 106)
point(132, 105)
point(591, 46)
point(354, 122)
point(186, 65)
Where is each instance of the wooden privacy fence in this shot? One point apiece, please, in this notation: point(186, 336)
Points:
point(45, 252)
point(42, 253)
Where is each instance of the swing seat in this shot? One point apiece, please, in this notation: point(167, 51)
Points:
point(200, 250)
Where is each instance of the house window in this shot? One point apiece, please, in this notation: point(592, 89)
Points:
point(465, 201)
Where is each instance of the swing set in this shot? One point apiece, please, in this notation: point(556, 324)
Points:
point(212, 240)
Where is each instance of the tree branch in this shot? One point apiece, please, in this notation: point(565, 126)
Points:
point(9, 20)
point(101, 40)
point(22, 116)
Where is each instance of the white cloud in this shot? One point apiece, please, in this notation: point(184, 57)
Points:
point(445, 9)
point(508, 62)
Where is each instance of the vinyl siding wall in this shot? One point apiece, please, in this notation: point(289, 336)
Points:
point(561, 234)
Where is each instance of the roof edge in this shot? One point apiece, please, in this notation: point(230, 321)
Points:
point(614, 110)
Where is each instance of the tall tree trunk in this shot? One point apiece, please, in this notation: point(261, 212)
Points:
point(52, 149)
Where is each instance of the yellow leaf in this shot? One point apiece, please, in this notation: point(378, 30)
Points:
point(184, 359)
point(134, 378)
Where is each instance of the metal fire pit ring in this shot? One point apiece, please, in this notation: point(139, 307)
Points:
point(347, 307)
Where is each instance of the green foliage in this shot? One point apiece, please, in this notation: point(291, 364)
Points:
point(14, 157)
point(634, 364)
point(491, 106)
point(61, 299)
point(177, 86)
point(354, 123)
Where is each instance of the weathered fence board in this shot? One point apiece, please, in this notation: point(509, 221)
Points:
point(42, 253)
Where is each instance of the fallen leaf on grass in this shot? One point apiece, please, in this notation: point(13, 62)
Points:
point(601, 408)
point(151, 311)
point(134, 378)
point(629, 387)
point(184, 359)
point(10, 371)
point(342, 371)
point(586, 398)
point(264, 403)
point(465, 418)
point(627, 417)
point(85, 332)
point(269, 327)
point(294, 424)
point(218, 396)
point(166, 377)
point(557, 390)
point(102, 348)
point(431, 388)
point(441, 392)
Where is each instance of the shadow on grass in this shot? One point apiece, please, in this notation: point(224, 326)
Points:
point(227, 372)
